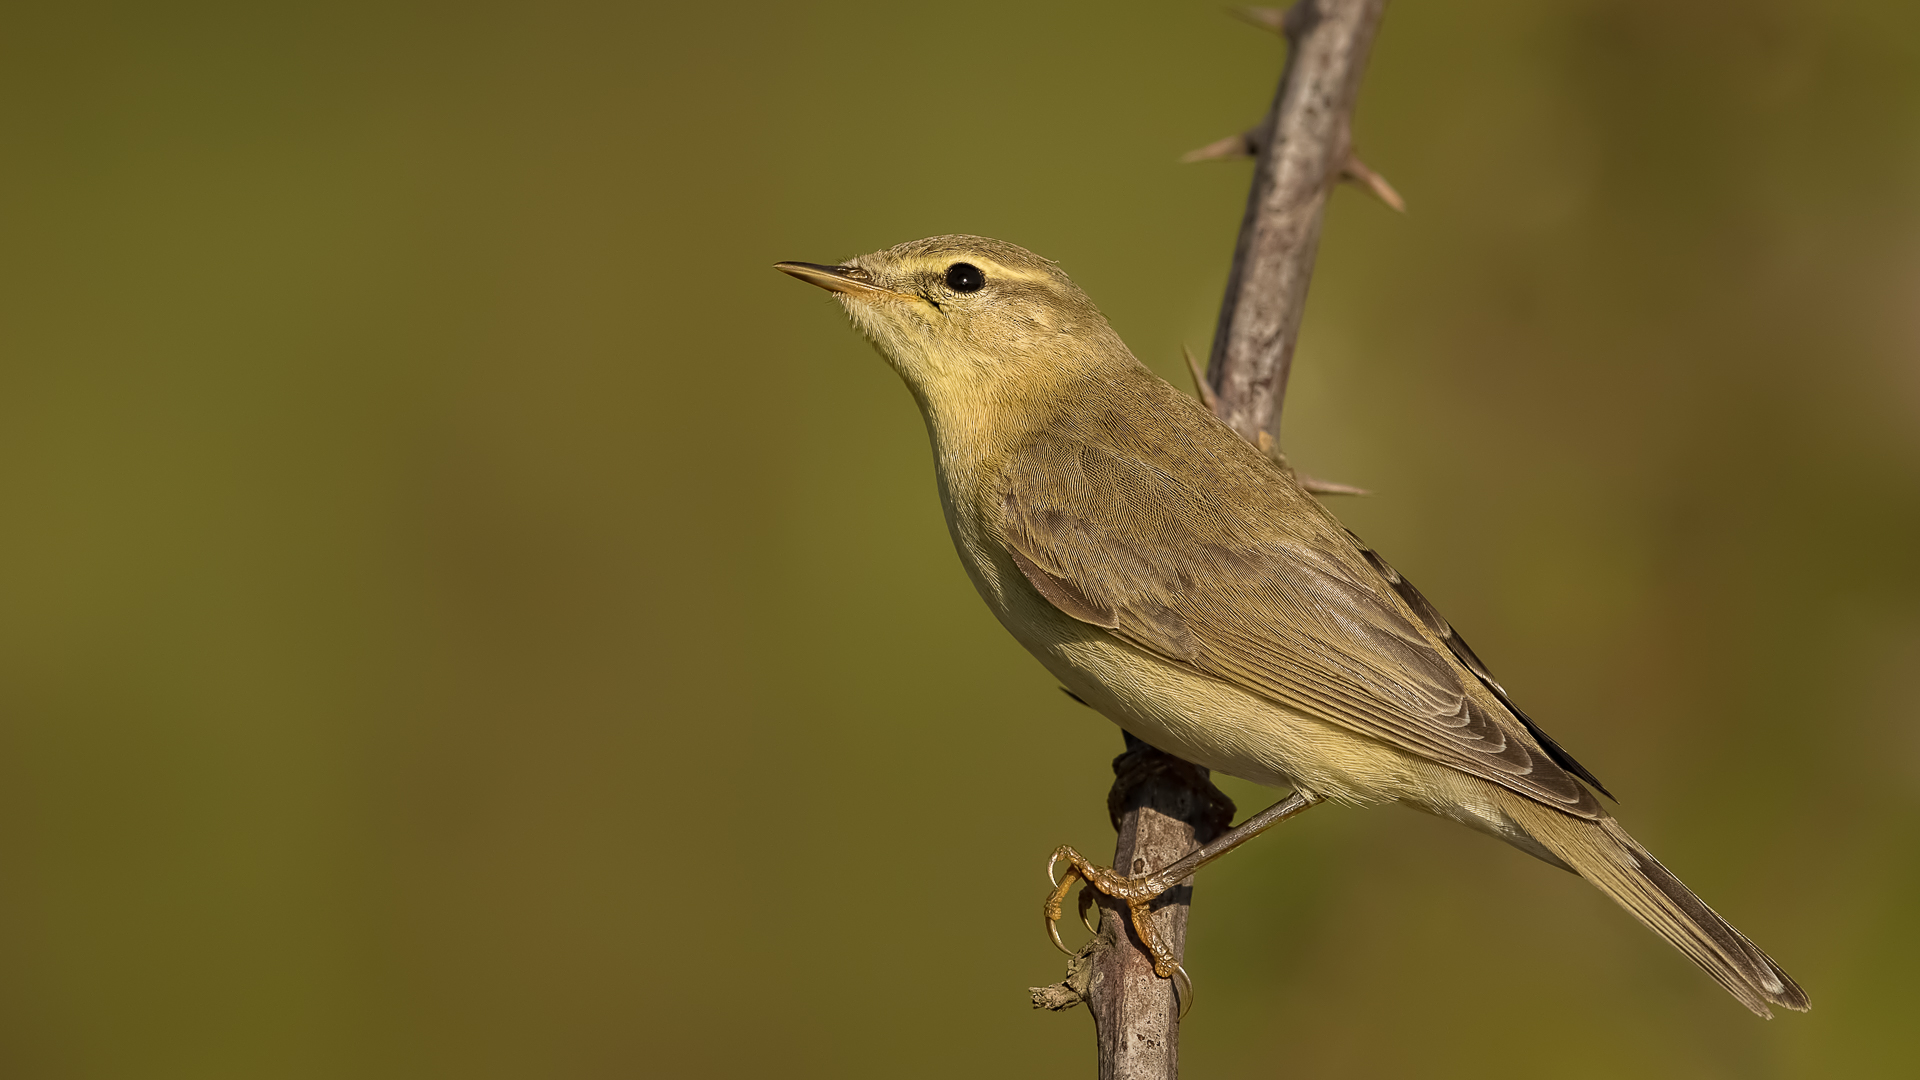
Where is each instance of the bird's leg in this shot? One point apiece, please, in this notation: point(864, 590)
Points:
point(1140, 890)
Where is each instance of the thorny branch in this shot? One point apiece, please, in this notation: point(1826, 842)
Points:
point(1304, 145)
point(1163, 807)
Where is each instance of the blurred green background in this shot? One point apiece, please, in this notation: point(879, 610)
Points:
point(463, 614)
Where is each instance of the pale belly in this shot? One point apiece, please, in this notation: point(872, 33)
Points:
point(1221, 726)
point(1179, 710)
point(1213, 723)
point(1229, 730)
point(1225, 728)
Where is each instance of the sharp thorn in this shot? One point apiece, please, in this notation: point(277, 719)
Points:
point(1207, 396)
point(1233, 146)
point(1266, 18)
point(1327, 487)
point(1307, 483)
point(1356, 171)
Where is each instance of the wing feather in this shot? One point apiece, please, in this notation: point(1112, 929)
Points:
point(1237, 574)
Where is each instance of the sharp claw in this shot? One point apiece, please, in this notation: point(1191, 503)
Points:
point(1052, 907)
point(1183, 990)
point(1086, 903)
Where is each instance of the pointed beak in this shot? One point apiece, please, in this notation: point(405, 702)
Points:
point(841, 279)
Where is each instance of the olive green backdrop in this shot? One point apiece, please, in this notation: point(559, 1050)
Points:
point(463, 614)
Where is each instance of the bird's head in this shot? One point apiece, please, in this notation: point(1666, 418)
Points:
point(963, 316)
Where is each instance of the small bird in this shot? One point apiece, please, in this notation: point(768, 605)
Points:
point(1176, 579)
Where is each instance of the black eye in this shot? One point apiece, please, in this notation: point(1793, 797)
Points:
point(965, 277)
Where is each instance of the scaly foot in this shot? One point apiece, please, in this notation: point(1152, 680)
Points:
point(1138, 892)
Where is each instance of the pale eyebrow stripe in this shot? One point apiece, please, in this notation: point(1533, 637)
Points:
point(1012, 274)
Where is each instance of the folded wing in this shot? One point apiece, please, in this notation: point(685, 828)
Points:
point(1197, 551)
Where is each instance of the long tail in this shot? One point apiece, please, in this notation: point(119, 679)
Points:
point(1603, 853)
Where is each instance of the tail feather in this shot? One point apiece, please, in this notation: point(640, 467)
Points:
point(1616, 864)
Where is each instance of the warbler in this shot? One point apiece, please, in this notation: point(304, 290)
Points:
point(1179, 581)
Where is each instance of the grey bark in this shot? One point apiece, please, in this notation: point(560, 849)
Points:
point(1167, 807)
point(1163, 807)
point(1304, 144)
